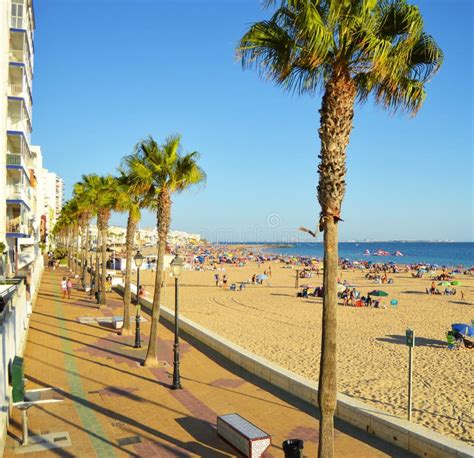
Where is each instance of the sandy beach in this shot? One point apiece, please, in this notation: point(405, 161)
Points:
point(271, 321)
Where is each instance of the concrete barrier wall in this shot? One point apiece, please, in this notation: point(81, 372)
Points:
point(409, 436)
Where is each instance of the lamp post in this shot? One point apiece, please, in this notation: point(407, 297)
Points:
point(176, 266)
point(138, 258)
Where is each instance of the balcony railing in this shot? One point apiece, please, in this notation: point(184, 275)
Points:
point(19, 55)
point(21, 125)
point(16, 226)
point(19, 90)
point(16, 90)
point(18, 191)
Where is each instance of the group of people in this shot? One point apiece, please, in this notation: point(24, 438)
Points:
point(220, 281)
point(447, 291)
point(66, 287)
point(53, 263)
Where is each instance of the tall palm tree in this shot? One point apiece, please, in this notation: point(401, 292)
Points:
point(100, 193)
point(106, 201)
point(349, 49)
point(129, 200)
point(84, 196)
point(159, 172)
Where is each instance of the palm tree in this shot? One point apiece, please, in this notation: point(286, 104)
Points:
point(159, 172)
point(129, 200)
point(83, 195)
point(106, 187)
point(349, 49)
point(100, 193)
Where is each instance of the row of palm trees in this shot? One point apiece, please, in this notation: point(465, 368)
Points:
point(351, 50)
point(147, 178)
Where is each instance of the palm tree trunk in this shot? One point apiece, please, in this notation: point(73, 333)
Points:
point(336, 124)
point(76, 249)
point(131, 226)
point(104, 227)
point(69, 249)
point(96, 269)
point(163, 214)
point(86, 254)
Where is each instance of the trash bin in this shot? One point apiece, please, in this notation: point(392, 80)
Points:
point(293, 448)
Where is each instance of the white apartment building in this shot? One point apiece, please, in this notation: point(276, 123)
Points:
point(21, 190)
point(17, 159)
point(53, 198)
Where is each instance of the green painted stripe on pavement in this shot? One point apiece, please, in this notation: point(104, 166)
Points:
point(88, 418)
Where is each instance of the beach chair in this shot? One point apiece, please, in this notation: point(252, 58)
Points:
point(453, 344)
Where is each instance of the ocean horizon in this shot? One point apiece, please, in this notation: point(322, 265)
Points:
point(440, 253)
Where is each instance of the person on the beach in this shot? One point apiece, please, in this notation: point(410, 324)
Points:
point(64, 287)
point(69, 287)
point(224, 280)
point(216, 278)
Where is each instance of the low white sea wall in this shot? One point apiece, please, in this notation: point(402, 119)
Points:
point(14, 323)
point(406, 435)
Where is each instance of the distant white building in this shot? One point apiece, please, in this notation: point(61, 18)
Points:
point(182, 238)
point(53, 198)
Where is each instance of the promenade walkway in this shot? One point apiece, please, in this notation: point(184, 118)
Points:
point(113, 407)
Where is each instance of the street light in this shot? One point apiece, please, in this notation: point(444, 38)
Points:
point(176, 267)
point(138, 258)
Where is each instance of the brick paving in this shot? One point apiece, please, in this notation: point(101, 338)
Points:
point(113, 407)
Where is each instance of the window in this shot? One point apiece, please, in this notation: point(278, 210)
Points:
point(17, 14)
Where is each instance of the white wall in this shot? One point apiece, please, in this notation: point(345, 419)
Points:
point(4, 49)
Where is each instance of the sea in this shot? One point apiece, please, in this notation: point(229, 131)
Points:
point(443, 254)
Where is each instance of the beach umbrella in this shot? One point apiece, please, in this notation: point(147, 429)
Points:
point(378, 293)
point(456, 283)
point(444, 283)
point(340, 287)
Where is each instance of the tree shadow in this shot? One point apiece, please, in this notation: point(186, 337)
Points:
point(198, 448)
point(419, 341)
point(205, 433)
point(461, 302)
point(90, 346)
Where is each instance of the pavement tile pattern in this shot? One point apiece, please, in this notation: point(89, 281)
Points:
point(114, 407)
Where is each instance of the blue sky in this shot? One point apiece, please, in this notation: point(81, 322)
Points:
point(108, 73)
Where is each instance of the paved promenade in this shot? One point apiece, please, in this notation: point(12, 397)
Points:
point(113, 407)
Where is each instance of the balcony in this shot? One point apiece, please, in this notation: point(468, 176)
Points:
point(18, 160)
point(18, 153)
point(21, 19)
point(19, 54)
point(16, 228)
point(19, 90)
point(18, 191)
point(20, 125)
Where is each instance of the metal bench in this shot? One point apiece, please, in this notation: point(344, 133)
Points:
point(250, 440)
